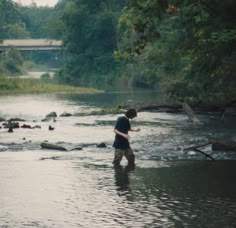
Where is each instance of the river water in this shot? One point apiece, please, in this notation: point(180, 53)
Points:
point(81, 188)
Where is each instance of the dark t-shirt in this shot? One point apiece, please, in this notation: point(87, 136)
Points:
point(122, 125)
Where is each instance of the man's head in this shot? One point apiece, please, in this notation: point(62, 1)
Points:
point(131, 113)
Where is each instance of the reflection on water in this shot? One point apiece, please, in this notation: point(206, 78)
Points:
point(122, 177)
point(167, 188)
point(114, 98)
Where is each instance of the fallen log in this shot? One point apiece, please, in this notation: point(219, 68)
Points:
point(53, 158)
point(223, 146)
point(177, 106)
point(204, 153)
point(226, 107)
point(195, 148)
point(160, 107)
point(189, 112)
point(51, 146)
point(215, 146)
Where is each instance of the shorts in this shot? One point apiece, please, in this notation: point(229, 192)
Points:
point(128, 153)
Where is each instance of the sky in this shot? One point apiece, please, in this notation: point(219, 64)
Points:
point(38, 2)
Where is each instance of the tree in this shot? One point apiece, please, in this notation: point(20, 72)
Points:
point(11, 62)
point(206, 49)
point(11, 25)
point(16, 31)
point(90, 37)
point(41, 22)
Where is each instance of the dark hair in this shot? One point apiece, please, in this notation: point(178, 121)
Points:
point(131, 113)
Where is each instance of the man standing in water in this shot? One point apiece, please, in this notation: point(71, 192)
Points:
point(121, 143)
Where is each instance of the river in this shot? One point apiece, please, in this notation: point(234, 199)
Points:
point(81, 188)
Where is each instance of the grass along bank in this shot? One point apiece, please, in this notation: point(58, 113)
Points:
point(17, 85)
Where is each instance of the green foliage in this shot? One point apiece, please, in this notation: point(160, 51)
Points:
point(11, 62)
point(7, 85)
point(42, 22)
point(194, 56)
point(45, 76)
point(90, 38)
point(140, 21)
point(183, 47)
point(210, 49)
point(50, 59)
point(16, 31)
point(16, 85)
point(9, 18)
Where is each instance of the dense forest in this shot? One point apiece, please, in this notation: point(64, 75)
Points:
point(186, 49)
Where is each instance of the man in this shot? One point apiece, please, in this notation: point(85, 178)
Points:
point(121, 143)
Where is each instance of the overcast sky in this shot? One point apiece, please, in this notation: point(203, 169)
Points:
point(38, 2)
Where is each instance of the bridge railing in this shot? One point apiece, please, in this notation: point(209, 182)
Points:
point(31, 44)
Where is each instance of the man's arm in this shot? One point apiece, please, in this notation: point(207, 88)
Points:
point(121, 134)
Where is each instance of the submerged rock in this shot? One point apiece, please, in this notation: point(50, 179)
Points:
point(2, 119)
point(53, 158)
point(11, 125)
point(51, 114)
point(26, 126)
point(102, 145)
point(76, 148)
point(36, 127)
point(16, 119)
point(65, 114)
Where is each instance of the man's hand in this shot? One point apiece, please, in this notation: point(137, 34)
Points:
point(126, 136)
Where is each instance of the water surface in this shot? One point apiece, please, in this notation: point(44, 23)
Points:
point(167, 188)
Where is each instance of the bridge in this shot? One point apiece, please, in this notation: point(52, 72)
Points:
point(31, 44)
